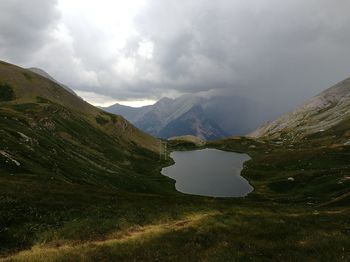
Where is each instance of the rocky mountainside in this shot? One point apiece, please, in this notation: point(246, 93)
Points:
point(193, 122)
point(49, 133)
point(323, 113)
point(207, 118)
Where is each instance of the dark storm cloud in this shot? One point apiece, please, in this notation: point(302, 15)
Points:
point(262, 48)
point(280, 52)
point(25, 27)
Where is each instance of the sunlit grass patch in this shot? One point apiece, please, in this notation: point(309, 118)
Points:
point(131, 236)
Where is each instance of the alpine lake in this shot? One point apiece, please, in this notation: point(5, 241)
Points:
point(209, 172)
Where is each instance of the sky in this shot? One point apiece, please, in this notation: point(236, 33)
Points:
point(137, 51)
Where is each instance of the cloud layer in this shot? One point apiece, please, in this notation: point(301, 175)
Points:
point(279, 52)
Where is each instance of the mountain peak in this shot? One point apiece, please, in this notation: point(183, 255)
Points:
point(164, 100)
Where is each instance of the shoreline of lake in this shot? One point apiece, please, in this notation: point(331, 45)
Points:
point(209, 172)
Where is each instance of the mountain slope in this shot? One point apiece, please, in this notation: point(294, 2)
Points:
point(125, 111)
point(193, 122)
point(321, 113)
point(154, 118)
point(48, 133)
point(46, 75)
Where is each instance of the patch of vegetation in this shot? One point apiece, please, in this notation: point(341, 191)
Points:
point(114, 119)
point(6, 92)
point(43, 100)
point(28, 76)
point(101, 120)
point(180, 145)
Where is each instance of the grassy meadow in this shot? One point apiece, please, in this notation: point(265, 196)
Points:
point(302, 220)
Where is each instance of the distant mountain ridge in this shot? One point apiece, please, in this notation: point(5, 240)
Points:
point(208, 118)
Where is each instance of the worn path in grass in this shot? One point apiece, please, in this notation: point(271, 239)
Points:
point(135, 234)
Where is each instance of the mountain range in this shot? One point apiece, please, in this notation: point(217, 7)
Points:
point(207, 118)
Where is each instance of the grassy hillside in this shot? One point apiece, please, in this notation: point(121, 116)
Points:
point(22, 87)
point(77, 185)
point(53, 142)
point(303, 220)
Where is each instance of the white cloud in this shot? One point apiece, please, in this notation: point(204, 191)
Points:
point(104, 101)
point(145, 49)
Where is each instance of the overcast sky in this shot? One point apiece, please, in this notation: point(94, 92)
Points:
point(278, 52)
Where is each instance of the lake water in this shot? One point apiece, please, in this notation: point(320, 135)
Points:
point(209, 172)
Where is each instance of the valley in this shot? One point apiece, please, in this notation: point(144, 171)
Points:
point(80, 184)
point(307, 219)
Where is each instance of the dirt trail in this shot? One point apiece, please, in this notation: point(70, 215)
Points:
point(48, 253)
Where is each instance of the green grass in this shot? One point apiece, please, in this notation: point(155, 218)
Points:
point(88, 187)
point(6, 92)
point(278, 221)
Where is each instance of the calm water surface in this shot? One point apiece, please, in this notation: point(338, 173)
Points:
point(209, 172)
